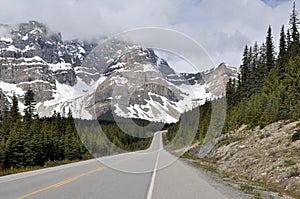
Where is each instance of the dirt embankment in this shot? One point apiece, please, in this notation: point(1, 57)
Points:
point(270, 156)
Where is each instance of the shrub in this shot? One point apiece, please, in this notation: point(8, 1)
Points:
point(296, 136)
point(288, 163)
point(295, 172)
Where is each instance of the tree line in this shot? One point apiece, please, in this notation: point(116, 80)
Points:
point(28, 140)
point(32, 141)
point(268, 87)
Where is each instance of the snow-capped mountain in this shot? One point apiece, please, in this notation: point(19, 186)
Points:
point(94, 79)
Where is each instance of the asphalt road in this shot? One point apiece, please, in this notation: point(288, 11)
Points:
point(153, 173)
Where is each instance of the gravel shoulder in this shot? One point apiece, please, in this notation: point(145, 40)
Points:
point(261, 162)
point(216, 181)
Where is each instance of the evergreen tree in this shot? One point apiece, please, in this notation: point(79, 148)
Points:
point(5, 125)
point(271, 83)
point(30, 104)
point(294, 33)
point(294, 21)
point(288, 42)
point(282, 55)
point(15, 151)
point(278, 93)
point(230, 93)
point(291, 88)
point(29, 143)
point(270, 58)
point(255, 70)
point(238, 88)
point(261, 65)
point(69, 143)
point(245, 73)
point(14, 113)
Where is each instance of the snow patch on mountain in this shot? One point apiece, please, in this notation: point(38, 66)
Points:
point(11, 89)
point(65, 92)
point(194, 96)
point(60, 66)
point(83, 76)
point(6, 39)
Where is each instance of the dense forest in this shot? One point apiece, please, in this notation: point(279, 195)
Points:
point(29, 141)
point(267, 89)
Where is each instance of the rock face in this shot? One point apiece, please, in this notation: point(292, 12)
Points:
point(136, 87)
point(265, 155)
point(95, 78)
point(215, 78)
point(3, 102)
point(33, 58)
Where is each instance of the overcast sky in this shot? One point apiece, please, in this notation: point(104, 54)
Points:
point(221, 27)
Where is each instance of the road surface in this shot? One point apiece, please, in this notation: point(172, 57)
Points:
point(152, 173)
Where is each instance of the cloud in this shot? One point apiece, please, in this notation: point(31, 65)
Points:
point(89, 18)
point(222, 28)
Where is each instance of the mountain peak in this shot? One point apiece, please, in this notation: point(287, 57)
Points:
point(91, 78)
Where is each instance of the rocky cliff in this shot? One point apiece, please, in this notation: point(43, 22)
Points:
point(93, 78)
point(31, 57)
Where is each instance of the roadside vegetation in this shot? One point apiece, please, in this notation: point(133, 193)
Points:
point(260, 138)
point(267, 89)
point(28, 142)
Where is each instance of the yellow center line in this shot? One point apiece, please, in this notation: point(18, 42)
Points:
point(70, 179)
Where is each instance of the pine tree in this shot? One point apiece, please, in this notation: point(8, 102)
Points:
point(255, 70)
point(271, 83)
point(261, 65)
point(294, 21)
point(2, 153)
point(278, 96)
point(5, 125)
point(29, 143)
point(15, 152)
point(238, 88)
point(30, 104)
point(245, 72)
point(14, 114)
point(282, 55)
point(288, 41)
point(270, 58)
point(291, 87)
point(294, 46)
point(230, 91)
point(69, 143)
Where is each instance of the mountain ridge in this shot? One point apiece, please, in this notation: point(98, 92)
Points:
point(85, 77)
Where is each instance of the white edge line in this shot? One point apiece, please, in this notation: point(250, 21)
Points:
point(22, 175)
point(26, 174)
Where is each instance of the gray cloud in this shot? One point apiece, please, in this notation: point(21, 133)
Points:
point(222, 28)
point(89, 18)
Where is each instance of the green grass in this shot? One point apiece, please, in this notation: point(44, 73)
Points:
point(188, 155)
point(246, 188)
point(206, 166)
point(257, 195)
point(289, 163)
